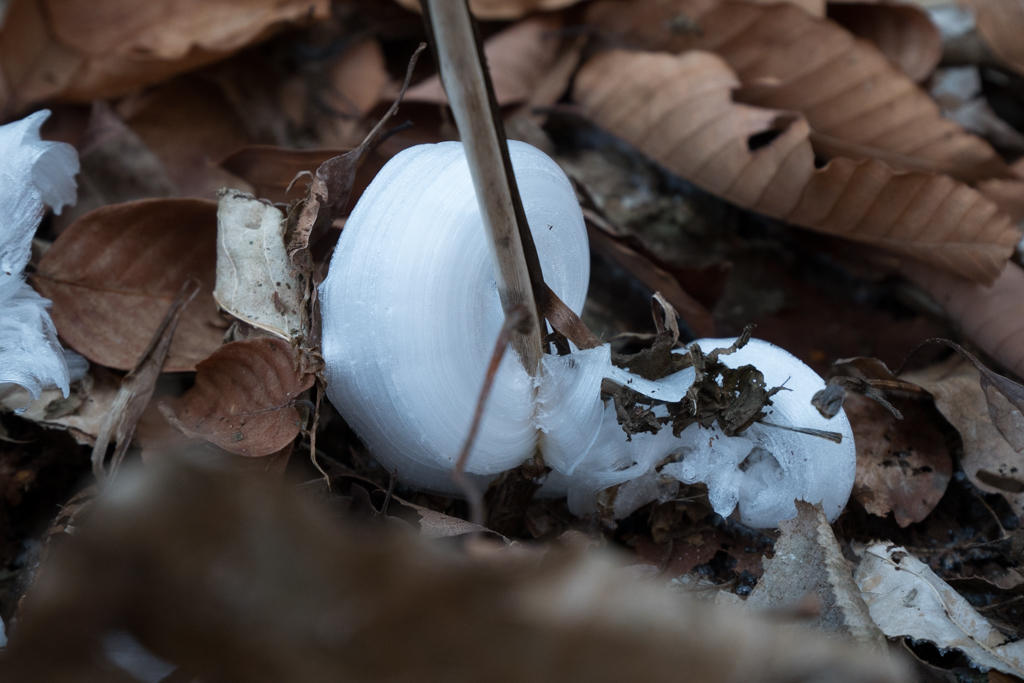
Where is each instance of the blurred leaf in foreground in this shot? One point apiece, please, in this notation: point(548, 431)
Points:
point(232, 578)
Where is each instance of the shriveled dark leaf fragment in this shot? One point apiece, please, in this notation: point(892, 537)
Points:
point(864, 375)
point(735, 403)
point(113, 274)
point(903, 465)
point(333, 181)
point(245, 397)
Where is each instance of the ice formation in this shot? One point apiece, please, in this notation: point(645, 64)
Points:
point(33, 174)
point(410, 315)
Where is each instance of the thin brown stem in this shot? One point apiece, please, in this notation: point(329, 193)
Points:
point(467, 83)
point(516, 318)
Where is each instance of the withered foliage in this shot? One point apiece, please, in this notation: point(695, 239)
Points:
point(734, 398)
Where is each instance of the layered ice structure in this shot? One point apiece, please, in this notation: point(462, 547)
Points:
point(34, 174)
point(410, 316)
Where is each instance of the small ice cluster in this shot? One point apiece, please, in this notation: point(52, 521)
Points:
point(34, 174)
point(410, 316)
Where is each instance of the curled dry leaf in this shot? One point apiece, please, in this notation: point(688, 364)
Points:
point(256, 281)
point(501, 9)
point(808, 561)
point(993, 456)
point(244, 399)
point(904, 33)
point(86, 49)
point(906, 598)
point(518, 58)
point(113, 274)
point(679, 111)
point(1001, 23)
point(858, 104)
point(989, 315)
point(308, 598)
point(903, 466)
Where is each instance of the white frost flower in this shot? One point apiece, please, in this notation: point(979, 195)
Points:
point(410, 315)
point(34, 174)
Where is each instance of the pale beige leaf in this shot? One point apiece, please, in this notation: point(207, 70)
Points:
point(906, 598)
point(990, 316)
point(501, 9)
point(679, 111)
point(256, 281)
point(787, 59)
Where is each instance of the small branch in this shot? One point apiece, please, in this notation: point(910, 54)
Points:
point(514, 321)
point(467, 83)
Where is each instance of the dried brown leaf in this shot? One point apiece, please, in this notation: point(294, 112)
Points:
point(989, 315)
point(990, 461)
point(117, 166)
point(245, 396)
point(787, 59)
point(113, 274)
point(518, 58)
point(501, 9)
point(679, 111)
point(904, 33)
point(1001, 23)
point(87, 49)
point(189, 124)
point(903, 466)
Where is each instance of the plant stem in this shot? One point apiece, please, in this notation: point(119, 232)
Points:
point(470, 94)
